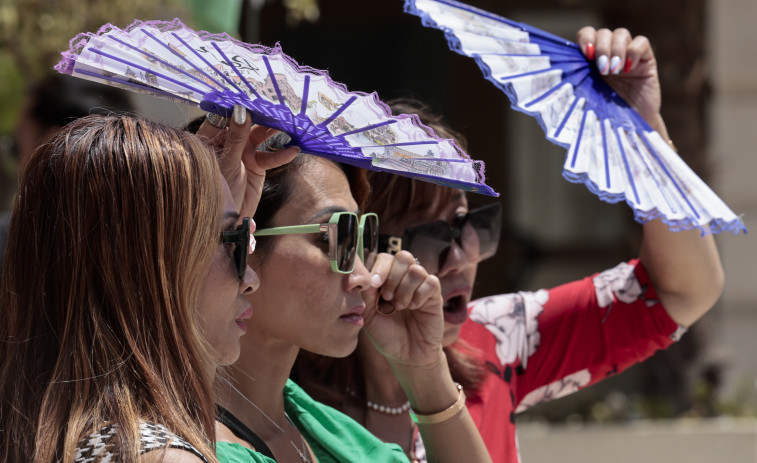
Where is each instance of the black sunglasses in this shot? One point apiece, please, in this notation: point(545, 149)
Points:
point(241, 238)
point(476, 232)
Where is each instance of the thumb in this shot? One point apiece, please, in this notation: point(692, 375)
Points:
point(269, 160)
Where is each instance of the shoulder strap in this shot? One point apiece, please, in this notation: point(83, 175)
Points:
point(242, 431)
point(156, 436)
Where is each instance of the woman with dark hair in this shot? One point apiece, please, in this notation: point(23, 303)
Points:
point(314, 249)
point(512, 351)
point(123, 289)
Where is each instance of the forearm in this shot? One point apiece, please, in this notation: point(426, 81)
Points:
point(430, 390)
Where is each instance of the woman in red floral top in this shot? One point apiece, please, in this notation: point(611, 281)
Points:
point(513, 351)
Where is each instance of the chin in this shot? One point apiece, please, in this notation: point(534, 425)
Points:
point(451, 333)
point(229, 357)
point(339, 350)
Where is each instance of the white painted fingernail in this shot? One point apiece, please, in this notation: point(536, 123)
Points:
point(603, 64)
point(376, 281)
point(240, 114)
point(252, 244)
point(615, 65)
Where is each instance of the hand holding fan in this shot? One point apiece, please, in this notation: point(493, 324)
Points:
point(215, 71)
point(611, 148)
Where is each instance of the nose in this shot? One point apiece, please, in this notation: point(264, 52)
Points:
point(360, 278)
point(250, 282)
point(457, 261)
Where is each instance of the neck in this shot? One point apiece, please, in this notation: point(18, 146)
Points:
point(381, 386)
point(253, 388)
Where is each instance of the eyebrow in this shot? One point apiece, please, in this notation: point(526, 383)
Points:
point(227, 215)
point(329, 210)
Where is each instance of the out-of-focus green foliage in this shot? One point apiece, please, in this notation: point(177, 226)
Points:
point(11, 95)
point(216, 15)
point(34, 32)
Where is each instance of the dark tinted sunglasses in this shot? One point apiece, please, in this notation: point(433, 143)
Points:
point(476, 232)
point(241, 238)
point(348, 236)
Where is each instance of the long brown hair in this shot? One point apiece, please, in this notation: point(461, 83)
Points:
point(111, 236)
point(394, 199)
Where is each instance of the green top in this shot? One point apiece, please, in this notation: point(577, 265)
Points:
point(333, 436)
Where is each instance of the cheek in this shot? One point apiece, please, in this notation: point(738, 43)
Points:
point(219, 289)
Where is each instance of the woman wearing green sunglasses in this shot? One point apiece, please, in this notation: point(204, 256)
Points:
point(512, 351)
point(313, 252)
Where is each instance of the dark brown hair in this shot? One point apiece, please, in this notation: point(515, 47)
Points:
point(111, 236)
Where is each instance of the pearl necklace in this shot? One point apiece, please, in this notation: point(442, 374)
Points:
point(388, 410)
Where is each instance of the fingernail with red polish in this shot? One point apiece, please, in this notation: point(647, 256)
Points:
point(628, 65)
point(590, 51)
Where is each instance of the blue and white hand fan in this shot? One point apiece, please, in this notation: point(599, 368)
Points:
point(215, 71)
point(611, 149)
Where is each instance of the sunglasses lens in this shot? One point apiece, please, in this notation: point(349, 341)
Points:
point(370, 240)
point(429, 243)
point(243, 247)
point(346, 235)
point(483, 227)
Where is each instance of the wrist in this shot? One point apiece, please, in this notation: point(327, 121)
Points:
point(430, 388)
point(443, 415)
point(658, 124)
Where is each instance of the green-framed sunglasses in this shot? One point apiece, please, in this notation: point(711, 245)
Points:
point(347, 233)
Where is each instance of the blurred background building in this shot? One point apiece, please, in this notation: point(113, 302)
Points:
point(554, 231)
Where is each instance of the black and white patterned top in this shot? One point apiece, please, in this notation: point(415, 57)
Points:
point(98, 446)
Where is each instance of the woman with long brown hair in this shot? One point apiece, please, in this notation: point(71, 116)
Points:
point(123, 288)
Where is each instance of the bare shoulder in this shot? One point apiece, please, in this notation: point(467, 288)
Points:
point(170, 456)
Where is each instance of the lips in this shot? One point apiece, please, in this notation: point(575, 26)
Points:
point(455, 310)
point(246, 315)
point(354, 316)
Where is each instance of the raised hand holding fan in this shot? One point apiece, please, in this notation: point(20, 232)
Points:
point(611, 148)
point(216, 71)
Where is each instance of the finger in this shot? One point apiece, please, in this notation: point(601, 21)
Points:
point(639, 49)
point(259, 134)
point(429, 291)
point(603, 46)
point(409, 284)
point(620, 40)
point(402, 261)
point(586, 39)
point(261, 161)
point(236, 140)
point(380, 270)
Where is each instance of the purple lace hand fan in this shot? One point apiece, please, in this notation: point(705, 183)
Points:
point(215, 71)
point(611, 149)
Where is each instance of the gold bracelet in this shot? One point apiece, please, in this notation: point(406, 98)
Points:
point(443, 415)
point(670, 142)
